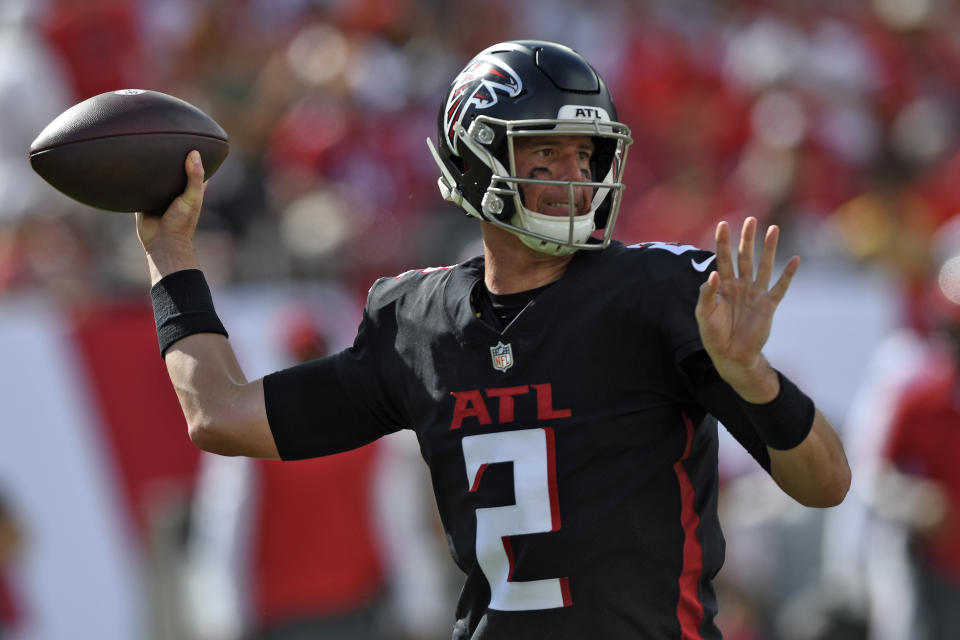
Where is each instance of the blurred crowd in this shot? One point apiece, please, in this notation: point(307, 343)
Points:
point(836, 119)
point(836, 116)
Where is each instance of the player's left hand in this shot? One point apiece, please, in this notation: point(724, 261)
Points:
point(735, 311)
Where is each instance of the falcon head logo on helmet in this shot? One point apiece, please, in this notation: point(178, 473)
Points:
point(477, 86)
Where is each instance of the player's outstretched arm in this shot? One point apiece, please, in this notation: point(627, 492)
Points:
point(735, 313)
point(225, 413)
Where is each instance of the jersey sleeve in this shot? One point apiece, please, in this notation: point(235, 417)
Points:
point(680, 288)
point(680, 276)
point(339, 402)
point(719, 399)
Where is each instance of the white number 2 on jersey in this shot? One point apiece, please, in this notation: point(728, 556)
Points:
point(535, 511)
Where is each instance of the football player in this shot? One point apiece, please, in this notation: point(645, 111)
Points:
point(565, 389)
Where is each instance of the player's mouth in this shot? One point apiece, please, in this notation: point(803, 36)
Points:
point(553, 207)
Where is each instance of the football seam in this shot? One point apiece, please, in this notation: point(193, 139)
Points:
point(34, 152)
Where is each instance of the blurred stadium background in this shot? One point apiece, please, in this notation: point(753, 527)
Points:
point(836, 119)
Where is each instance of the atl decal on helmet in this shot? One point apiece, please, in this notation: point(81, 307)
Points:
point(480, 80)
point(579, 111)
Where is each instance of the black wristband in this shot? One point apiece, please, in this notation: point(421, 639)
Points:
point(183, 306)
point(785, 421)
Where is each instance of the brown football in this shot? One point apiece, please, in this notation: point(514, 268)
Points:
point(125, 150)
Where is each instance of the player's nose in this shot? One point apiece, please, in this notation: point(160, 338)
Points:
point(569, 167)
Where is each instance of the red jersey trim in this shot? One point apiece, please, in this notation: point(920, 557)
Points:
point(552, 478)
point(689, 607)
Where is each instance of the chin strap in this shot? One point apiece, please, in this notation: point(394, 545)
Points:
point(552, 231)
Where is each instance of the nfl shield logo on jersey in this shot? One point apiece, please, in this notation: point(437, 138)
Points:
point(502, 356)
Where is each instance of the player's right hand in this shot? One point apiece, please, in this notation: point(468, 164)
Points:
point(168, 239)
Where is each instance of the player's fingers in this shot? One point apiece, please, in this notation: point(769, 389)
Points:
point(193, 194)
point(768, 257)
point(783, 283)
point(748, 236)
point(708, 295)
point(724, 261)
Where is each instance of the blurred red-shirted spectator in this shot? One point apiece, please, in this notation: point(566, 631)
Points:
point(98, 42)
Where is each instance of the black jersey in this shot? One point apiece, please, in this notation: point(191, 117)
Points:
point(574, 467)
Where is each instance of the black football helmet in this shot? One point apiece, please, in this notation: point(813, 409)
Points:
point(529, 88)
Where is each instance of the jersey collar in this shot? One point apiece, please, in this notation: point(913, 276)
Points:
point(467, 276)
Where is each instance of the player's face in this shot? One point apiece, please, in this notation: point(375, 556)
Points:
point(554, 158)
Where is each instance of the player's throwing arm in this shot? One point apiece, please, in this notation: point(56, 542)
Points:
point(225, 413)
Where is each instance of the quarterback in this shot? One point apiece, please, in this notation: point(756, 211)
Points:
point(565, 389)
